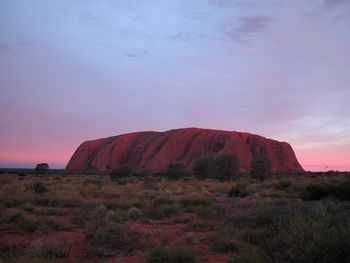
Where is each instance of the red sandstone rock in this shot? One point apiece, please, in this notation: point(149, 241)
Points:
point(155, 150)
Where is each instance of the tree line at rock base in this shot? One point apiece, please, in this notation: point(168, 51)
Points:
point(222, 167)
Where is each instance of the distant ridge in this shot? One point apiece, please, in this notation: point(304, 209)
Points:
point(155, 150)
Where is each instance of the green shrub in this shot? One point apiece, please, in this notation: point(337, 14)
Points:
point(315, 191)
point(203, 167)
point(240, 190)
point(161, 212)
point(134, 213)
point(223, 241)
point(171, 255)
point(338, 190)
point(54, 224)
point(143, 173)
point(176, 170)
point(260, 169)
point(41, 168)
point(256, 236)
point(343, 191)
point(197, 201)
point(122, 171)
point(28, 207)
point(36, 187)
point(226, 166)
point(118, 216)
point(27, 224)
point(97, 182)
point(106, 237)
point(21, 174)
point(249, 258)
point(49, 249)
point(321, 234)
point(282, 185)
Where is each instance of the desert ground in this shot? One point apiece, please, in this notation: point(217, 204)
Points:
point(90, 218)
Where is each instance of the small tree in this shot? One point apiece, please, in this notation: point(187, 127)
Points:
point(41, 168)
point(176, 170)
point(260, 169)
point(203, 168)
point(122, 171)
point(226, 166)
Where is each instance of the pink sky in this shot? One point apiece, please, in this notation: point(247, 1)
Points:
point(75, 70)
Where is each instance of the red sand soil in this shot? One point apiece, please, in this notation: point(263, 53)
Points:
point(185, 229)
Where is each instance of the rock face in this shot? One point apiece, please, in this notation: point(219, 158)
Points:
point(155, 150)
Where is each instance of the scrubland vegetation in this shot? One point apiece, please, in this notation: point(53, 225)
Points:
point(134, 216)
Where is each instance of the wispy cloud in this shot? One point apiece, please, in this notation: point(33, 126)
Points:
point(6, 48)
point(246, 27)
point(222, 3)
point(333, 3)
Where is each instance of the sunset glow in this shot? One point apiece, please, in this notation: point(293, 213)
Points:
point(72, 71)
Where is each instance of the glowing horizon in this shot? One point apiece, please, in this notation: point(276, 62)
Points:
point(71, 71)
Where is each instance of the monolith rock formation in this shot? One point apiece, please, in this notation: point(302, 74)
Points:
point(155, 150)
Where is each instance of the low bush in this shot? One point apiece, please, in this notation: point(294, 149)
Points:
point(283, 184)
point(171, 255)
point(226, 166)
point(203, 167)
point(199, 200)
point(49, 249)
point(54, 224)
point(118, 216)
point(249, 258)
point(28, 207)
point(36, 187)
point(161, 212)
point(97, 182)
point(240, 190)
point(27, 224)
point(260, 169)
point(41, 168)
point(256, 236)
point(176, 171)
point(321, 234)
point(122, 171)
point(106, 237)
point(134, 213)
point(338, 190)
point(223, 241)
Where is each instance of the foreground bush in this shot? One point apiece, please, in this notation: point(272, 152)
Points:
point(320, 233)
point(203, 168)
point(260, 169)
point(226, 166)
point(338, 190)
point(240, 190)
point(41, 168)
point(176, 170)
point(171, 255)
point(223, 167)
point(36, 187)
point(223, 241)
point(107, 237)
point(122, 171)
point(49, 249)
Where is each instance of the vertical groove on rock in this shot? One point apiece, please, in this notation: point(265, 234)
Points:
point(155, 150)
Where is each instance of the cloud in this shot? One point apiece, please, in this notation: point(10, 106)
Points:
point(221, 3)
point(333, 3)
point(187, 36)
point(6, 48)
point(247, 26)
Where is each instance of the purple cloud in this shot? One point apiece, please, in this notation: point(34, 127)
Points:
point(6, 48)
point(247, 26)
point(333, 3)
